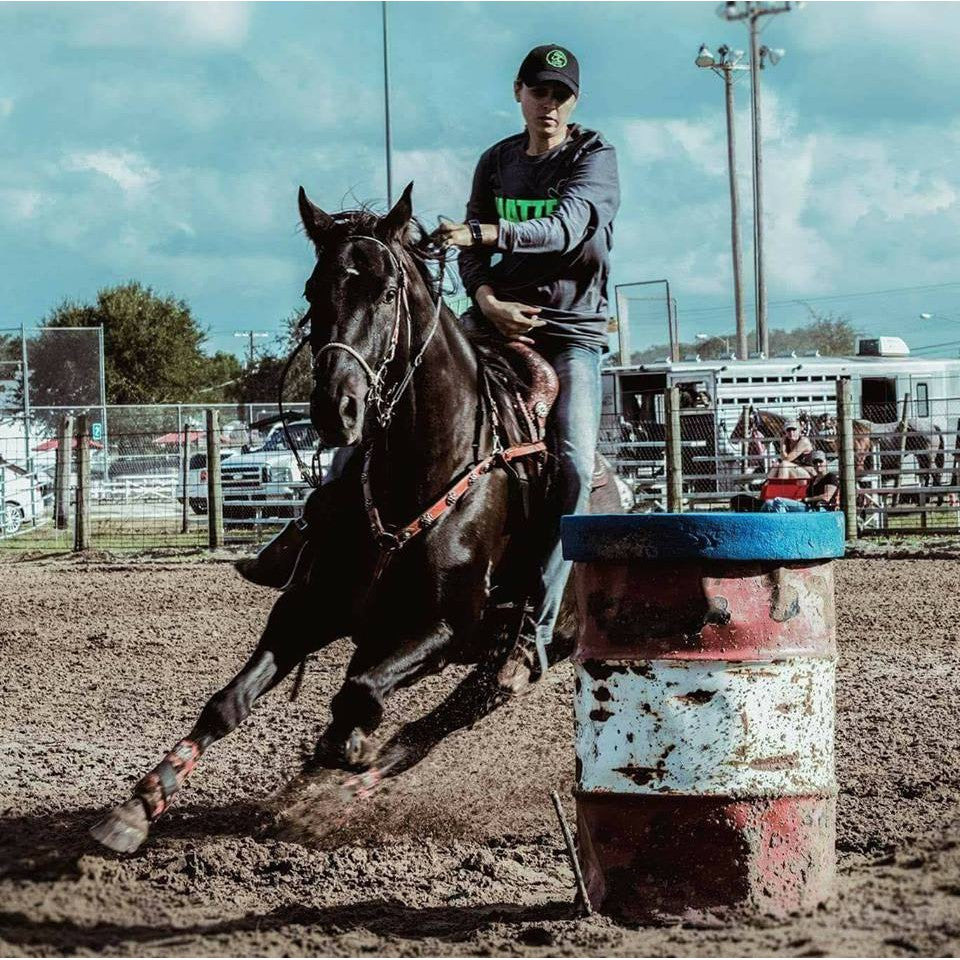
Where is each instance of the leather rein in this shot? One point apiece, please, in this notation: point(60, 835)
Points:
point(384, 398)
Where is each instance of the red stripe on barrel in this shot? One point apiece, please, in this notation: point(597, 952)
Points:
point(705, 610)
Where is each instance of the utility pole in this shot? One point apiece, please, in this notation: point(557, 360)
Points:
point(728, 62)
point(752, 11)
point(386, 104)
point(250, 334)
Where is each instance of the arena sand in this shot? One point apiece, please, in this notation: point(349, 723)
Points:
point(102, 667)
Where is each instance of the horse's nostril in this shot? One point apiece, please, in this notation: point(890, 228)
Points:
point(348, 409)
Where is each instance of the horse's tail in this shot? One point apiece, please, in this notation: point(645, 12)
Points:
point(940, 458)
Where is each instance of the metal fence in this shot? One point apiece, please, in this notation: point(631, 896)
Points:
point(148, 484)
point(148, 475)
point(905, 456)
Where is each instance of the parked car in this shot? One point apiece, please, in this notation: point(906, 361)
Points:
point(197, 480)
point(268, 479)
point(23, 500)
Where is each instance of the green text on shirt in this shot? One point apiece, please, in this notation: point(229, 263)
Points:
point(518, 210)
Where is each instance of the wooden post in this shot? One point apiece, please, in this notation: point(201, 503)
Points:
point(902, 430)
point(81, 534)
point(61, 480)
point(184, 476)
point(214, 489)
point(674, 462)
point(848, 475)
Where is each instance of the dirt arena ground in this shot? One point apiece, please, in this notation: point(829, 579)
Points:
point(103, 667)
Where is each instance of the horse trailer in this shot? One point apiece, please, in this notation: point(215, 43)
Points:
point(717, 395)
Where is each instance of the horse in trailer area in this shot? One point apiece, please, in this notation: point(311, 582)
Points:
point(819, 429)
point(926, 445)
point(434, 544)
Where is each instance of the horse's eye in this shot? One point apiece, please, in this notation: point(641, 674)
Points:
point(389, 295)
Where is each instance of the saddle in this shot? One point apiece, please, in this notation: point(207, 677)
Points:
point(520, 386)
point(527, 390)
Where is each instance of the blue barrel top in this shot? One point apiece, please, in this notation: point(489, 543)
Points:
point(705, 536)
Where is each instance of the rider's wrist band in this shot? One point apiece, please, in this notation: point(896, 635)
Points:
point(475, 232)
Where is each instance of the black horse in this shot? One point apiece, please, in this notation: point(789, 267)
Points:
point(393, 371)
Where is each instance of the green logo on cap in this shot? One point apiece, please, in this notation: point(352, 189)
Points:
point(557, 58)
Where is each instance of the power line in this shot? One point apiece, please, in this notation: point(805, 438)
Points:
point(839, 296)
point(936, 346)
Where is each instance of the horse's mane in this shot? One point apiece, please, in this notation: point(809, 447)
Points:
point(415, 241)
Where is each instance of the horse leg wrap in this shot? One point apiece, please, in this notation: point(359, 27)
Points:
point(158, 788)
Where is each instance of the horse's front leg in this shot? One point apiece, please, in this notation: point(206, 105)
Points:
point(357, 709)
point(285, 642)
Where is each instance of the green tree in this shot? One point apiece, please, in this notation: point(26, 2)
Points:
point(152, 348)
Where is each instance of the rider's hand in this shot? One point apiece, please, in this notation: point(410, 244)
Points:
point(450, 234)
point(512, 319)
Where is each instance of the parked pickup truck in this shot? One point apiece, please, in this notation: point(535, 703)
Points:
point(266, 481)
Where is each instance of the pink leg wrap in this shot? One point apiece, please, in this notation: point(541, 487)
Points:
point(158, 788)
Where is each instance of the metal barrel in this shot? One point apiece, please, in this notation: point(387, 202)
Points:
point(704, 712)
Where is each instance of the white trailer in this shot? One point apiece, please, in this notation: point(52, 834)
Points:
point(715, 393)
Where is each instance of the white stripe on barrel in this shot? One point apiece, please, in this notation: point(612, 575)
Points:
point(747, 729)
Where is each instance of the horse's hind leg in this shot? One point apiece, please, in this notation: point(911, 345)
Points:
point(283, 645)
point(486, 688)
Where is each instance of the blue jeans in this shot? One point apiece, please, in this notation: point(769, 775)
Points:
point(572, 430)
point(783, 505)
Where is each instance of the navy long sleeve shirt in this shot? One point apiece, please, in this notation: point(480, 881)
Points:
point(555, 213)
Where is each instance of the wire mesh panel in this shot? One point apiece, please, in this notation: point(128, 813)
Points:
point(65, 367)
point(907, 465)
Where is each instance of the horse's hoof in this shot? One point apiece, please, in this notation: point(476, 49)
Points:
point(356, 750)
point(124, 828)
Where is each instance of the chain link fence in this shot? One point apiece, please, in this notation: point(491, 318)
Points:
point(148, 474)
point(906, 452)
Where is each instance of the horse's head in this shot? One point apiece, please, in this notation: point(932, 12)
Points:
point(356, 296)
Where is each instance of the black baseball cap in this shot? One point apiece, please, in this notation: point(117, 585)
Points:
point(551, 62)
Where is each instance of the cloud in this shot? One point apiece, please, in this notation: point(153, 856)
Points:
point(128, 170)
point(16, 205)
point(208, 24)
point(6, 106)
point(442, 179)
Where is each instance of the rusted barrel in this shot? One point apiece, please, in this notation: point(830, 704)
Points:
point(704, 712)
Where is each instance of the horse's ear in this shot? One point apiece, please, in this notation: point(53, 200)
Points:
point(315, 221)
point(394, 224)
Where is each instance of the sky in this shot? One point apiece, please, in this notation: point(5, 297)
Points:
point(164, 142)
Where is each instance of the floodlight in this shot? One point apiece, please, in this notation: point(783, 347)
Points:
point(704, 57)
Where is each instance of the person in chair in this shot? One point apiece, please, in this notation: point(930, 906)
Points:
point(822, 493)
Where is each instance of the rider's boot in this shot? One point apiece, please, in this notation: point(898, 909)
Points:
point(274, 565)
point(277, 563)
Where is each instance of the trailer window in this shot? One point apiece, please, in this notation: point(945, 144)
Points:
point(923, 400)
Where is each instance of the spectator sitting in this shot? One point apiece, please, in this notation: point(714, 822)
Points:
point(821, 494)
point(796, 455)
